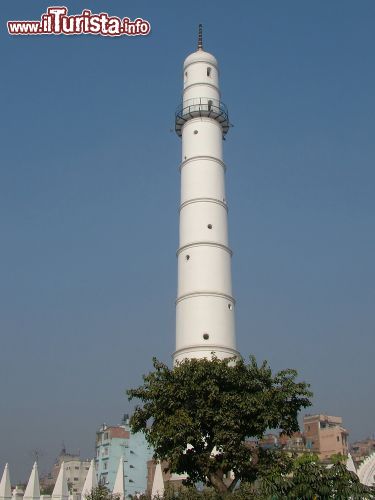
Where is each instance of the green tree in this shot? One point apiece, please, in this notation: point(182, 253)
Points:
point(245, 492)
point(308, 478)
point(198, 415)
point(100, 492)
point(47, 490)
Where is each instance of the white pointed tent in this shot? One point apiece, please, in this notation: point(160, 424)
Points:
point(60, 491)
point(350, 464)
point(119, 487)
point(366, 471)
point(90, 481)
point(32, 491)
point(158, 483)
point(5, 485)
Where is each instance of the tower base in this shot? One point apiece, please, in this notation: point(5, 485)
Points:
point(201, 352)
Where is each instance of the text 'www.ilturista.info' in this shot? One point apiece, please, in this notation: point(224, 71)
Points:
point(56, 21)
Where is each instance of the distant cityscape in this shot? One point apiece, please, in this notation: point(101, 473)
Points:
point(116, 447)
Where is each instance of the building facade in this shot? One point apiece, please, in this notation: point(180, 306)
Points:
point(114, 442)
point(325, 435)
point(75, 468)
point(360, 450)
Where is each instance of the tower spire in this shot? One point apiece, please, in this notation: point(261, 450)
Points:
point(200, 37)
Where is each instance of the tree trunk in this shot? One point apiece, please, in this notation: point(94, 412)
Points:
point(233, 484)
point(216, 479)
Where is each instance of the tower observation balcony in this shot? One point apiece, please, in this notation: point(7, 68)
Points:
point(201, 107)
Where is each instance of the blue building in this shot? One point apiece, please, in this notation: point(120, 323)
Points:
point(114, 442)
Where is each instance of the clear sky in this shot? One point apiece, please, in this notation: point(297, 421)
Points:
point(89, 194)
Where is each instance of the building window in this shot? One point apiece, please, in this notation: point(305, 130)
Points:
point(208, 71)
point(206, 336)
point(75, 479)
point(105, 436)
point(76, 468)
point(105, 465)
point(338, 438)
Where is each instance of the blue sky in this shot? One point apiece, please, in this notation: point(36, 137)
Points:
point(89, 193)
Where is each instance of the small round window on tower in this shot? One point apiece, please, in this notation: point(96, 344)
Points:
point(195, 132)
point(230, 307)
point(206, 336)
point(187, 257)
point(209, 226)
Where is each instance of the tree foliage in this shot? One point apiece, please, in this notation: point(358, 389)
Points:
point(244, 492)
point(198, 415)
point(100, 492)
point(308, 478)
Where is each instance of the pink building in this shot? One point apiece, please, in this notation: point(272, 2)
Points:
point(325, 435)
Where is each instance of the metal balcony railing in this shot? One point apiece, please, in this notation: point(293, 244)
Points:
point(201, 107)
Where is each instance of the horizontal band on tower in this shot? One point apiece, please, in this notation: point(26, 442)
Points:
point(202, 83)
point(204, 200)
point(197, 158)
point(204, 244)
point(209, 348)
point(205, 61)
point(206, 294)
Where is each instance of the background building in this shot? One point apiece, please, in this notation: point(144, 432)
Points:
point(295, 443)
point(325, 435)
point(75, 472)
point(174, 481)
point(114, 442)
point(362, 449)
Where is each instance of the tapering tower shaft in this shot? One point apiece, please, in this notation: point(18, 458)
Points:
point(205, 305)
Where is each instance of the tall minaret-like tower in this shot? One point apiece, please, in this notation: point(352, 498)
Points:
point(205, 305)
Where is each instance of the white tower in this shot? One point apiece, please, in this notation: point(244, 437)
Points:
point(205, 305)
